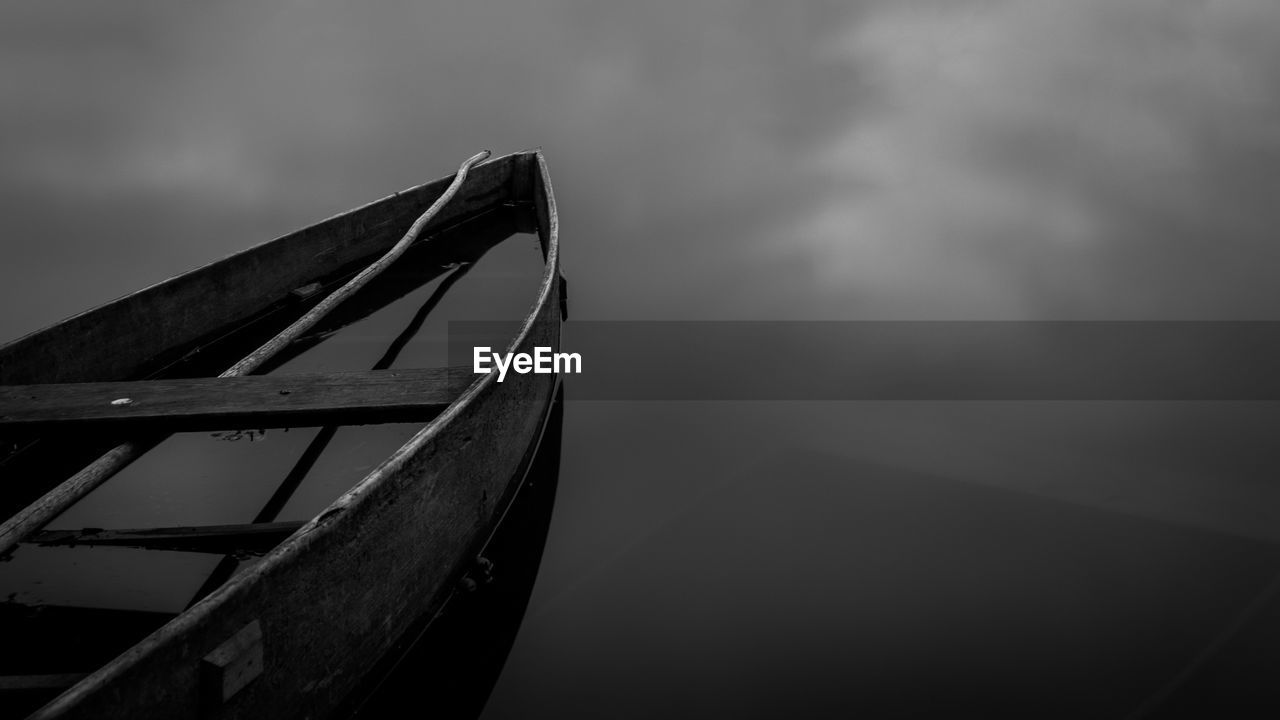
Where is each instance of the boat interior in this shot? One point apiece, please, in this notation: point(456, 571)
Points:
point(232, 477)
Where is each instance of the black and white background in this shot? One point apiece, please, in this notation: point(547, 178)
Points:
point(958, 160)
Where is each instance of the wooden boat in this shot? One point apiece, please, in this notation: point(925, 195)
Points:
point(297, 633)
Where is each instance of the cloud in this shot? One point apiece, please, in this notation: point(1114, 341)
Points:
point(970, 158)
point(1040, 158)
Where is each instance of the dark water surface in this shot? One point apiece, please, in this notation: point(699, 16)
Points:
point(1020, 160)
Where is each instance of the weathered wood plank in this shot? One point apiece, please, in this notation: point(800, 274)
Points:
point(254, 538)
point(256, 401)
point(232, 665)
point(21, 683)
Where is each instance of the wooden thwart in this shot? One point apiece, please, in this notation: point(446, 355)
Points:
point(253, 538)
point(250, 401)
point(21, 683)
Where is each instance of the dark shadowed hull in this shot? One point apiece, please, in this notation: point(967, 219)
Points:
point(296, 634)
point(458, 656)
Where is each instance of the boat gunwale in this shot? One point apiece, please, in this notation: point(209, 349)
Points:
point(323, 523)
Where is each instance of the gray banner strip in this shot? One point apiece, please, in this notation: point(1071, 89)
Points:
point(643, 360)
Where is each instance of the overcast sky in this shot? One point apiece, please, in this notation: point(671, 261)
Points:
point(1031, 158)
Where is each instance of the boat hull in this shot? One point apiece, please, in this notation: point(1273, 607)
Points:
point(293, 635)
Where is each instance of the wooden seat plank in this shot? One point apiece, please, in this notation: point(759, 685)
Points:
point(220, 539)
point(252, 401)
point(27, 683)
